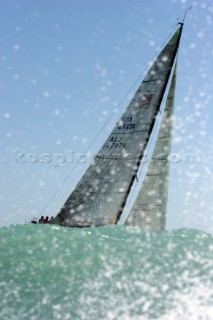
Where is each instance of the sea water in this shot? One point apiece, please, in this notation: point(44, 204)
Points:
point(116, 272)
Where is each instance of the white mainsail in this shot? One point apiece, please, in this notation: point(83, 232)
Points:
point(100, 196)
point(150, 207)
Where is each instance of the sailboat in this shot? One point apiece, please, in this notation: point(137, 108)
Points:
point(101, 195)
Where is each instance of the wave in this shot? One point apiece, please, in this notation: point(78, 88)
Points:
point(113, 272)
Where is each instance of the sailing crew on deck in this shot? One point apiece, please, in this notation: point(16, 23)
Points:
point(46, 220)
point(51, 221)
point(34, 220)
point(41, 220)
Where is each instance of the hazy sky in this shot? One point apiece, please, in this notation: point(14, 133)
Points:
point(65, 67)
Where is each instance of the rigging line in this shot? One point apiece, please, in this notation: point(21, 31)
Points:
point(107, 121)
point(147, 66)
point(73, 168)
point(171, 32)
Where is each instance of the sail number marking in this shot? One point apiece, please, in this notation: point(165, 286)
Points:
point(125, 125)
point(126, 119)
point(116, 142)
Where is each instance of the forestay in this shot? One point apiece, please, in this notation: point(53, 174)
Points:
point(101, 194)
point(150, 207)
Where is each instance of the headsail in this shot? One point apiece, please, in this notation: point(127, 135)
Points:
point(149, 209)
point(101, 194)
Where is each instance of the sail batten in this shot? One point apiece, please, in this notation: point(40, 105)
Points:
point(101, 194)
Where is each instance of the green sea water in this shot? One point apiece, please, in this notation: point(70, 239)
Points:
point(116, 272)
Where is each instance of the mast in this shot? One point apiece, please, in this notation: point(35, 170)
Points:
point(101, 194)
point(149, 210)
point(151, 127)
